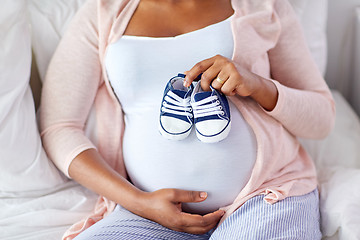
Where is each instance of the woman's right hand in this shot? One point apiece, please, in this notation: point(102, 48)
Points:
point(164, 207)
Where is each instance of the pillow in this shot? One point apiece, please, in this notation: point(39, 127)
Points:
point(341, 147)
point(313, 17)
point(49, 20)
point(21, 152)
point(36, 201)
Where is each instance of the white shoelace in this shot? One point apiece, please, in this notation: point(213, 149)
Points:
point(206, 107)
point(181, 106)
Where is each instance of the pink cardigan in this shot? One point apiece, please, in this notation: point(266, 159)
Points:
point(268, 40)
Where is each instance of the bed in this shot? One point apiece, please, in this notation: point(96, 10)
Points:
point(38, 202)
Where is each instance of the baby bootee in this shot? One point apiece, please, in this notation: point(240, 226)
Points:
point(211, 114)
point(176, 117)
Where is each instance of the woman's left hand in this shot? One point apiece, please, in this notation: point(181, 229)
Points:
point(230, 78)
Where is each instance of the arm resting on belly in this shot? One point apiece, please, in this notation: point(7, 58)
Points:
point(162, 206)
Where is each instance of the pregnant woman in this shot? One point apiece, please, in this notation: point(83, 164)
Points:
point(257, 183)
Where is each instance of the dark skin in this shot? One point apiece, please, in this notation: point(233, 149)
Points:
point(167, 18)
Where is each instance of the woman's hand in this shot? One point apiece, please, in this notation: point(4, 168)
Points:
point(229, 78)
point(164, 207)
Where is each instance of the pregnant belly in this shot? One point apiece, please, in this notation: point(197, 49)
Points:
point(221, 178)
point(221, 169)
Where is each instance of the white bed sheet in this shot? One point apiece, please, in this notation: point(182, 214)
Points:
point(339, 203)
point(44, 215)
point(337, 158)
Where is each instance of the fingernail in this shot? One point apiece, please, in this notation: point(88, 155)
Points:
point(203, 195)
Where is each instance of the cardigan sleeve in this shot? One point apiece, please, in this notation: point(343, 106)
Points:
point(305, 105)
point(70, 88)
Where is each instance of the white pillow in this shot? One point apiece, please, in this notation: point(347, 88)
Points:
point(49, 20)
point(23, 164)
point(341, 148)
point(36, 201)
point(313, 17)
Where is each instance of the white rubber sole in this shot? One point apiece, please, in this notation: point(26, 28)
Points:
point(216, 138)
point(176, 137)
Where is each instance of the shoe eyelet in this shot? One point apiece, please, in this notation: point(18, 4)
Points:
point(217, 101)
point(220, 108)
point(222, 113)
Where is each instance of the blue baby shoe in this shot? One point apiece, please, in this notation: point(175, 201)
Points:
point(211, 114)
point(176, 117)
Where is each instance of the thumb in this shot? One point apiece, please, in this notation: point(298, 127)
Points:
point(188, 196)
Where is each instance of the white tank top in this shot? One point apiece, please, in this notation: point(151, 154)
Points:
point(139, 69)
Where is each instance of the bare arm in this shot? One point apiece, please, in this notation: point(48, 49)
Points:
point(90, 170)
point(162, 206)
